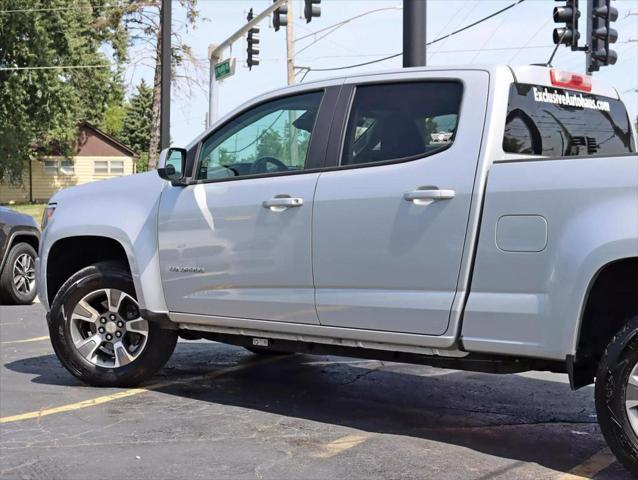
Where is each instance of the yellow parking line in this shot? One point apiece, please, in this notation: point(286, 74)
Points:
point(72, 406)
point(130, 392)
point(340, 445)
point(590, 467)
point(28, 340)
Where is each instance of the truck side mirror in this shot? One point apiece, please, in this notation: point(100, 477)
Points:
point(171, 164)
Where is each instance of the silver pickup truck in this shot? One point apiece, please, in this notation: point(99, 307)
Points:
point(478, 218)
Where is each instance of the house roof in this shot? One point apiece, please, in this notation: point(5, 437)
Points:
point(94, 142)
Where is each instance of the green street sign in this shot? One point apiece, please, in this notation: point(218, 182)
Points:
point(224, 69)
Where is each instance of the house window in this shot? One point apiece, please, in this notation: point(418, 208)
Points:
point(67, 167)
point(51, 167)
point(59, 167)
point(101, 167)
point(117, 167)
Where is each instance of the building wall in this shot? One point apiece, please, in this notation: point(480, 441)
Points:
point(45, 183)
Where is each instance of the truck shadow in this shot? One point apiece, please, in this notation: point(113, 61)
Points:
point(516, 417)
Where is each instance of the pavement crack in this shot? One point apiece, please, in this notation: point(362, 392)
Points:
point(365, 374)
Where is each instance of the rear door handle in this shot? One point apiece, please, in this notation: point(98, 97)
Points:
point(427, 195)
point(281, 203)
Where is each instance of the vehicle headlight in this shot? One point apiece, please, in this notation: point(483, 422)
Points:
point(47, 214)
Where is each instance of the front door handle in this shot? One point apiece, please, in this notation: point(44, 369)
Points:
point(427, 195)
point(281, 203)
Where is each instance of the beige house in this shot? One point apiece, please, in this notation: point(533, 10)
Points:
point(98, 156)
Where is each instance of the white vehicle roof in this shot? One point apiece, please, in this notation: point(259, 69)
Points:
point(530, 74)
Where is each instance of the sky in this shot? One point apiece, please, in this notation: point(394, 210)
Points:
point(522, 35)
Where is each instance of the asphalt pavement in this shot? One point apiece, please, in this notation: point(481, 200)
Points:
point(220, 412)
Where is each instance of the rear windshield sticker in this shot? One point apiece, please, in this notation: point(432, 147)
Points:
point(572, 100)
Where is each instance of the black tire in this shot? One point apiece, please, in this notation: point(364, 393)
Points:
point(611, 386)
point(159, 344)
point(9, 293)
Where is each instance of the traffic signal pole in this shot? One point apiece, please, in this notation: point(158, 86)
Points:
point(414, 12)
point(213, 85)
point(290, 45)
point(215, 52)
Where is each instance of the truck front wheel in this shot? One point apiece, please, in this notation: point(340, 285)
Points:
point(617, 395)
point(97, 331)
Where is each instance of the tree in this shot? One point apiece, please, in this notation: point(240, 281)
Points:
point(226, 157)
point(270, 144)
point(136, 130)
point(41, 107)
point(113, 121)
point(141, 20)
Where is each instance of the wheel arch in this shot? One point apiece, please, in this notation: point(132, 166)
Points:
point(68, 255)
point(611, 300)
point(21, 236)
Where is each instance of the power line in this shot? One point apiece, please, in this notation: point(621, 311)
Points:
point(462, 50)
point(468, 12)
point(343, 22)
point(53, 67)
point(78, 7)
point(455, 32)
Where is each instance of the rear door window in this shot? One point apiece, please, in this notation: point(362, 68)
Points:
point(559, 123)
point(401, 120)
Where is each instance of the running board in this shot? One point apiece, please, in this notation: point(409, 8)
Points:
point(337, 342)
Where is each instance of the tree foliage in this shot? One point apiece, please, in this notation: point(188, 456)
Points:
point(40, 108)
point(141, 20)
point(136, 131)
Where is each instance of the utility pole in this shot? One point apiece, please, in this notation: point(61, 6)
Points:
point(290, 65)
point(213, 86)
point(414, 12)
point(290, 44)
point(165, 104)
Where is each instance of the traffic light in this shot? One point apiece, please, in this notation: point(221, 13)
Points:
point(567, 14)
point(601, 35)
point(280, 17)
point(252, 41)
point(311, 9)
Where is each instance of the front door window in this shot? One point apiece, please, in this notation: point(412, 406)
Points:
point(271, 138)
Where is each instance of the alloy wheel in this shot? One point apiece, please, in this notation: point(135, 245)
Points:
point(631, 399)
point(106, 328)
point(24, 274)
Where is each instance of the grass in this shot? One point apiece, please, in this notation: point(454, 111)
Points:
point(33, 209)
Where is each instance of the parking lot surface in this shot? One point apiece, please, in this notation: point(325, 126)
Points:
point(218, 411)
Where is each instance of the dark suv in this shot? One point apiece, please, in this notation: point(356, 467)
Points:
point(19, 239)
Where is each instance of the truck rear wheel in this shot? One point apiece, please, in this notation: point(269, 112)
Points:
point(617, 395)
point(97, 331)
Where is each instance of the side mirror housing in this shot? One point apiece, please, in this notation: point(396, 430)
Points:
point(171, 165)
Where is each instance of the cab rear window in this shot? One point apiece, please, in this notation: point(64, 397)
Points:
point(560, 123)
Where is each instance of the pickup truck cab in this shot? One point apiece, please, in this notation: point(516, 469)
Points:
point(479, 218)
